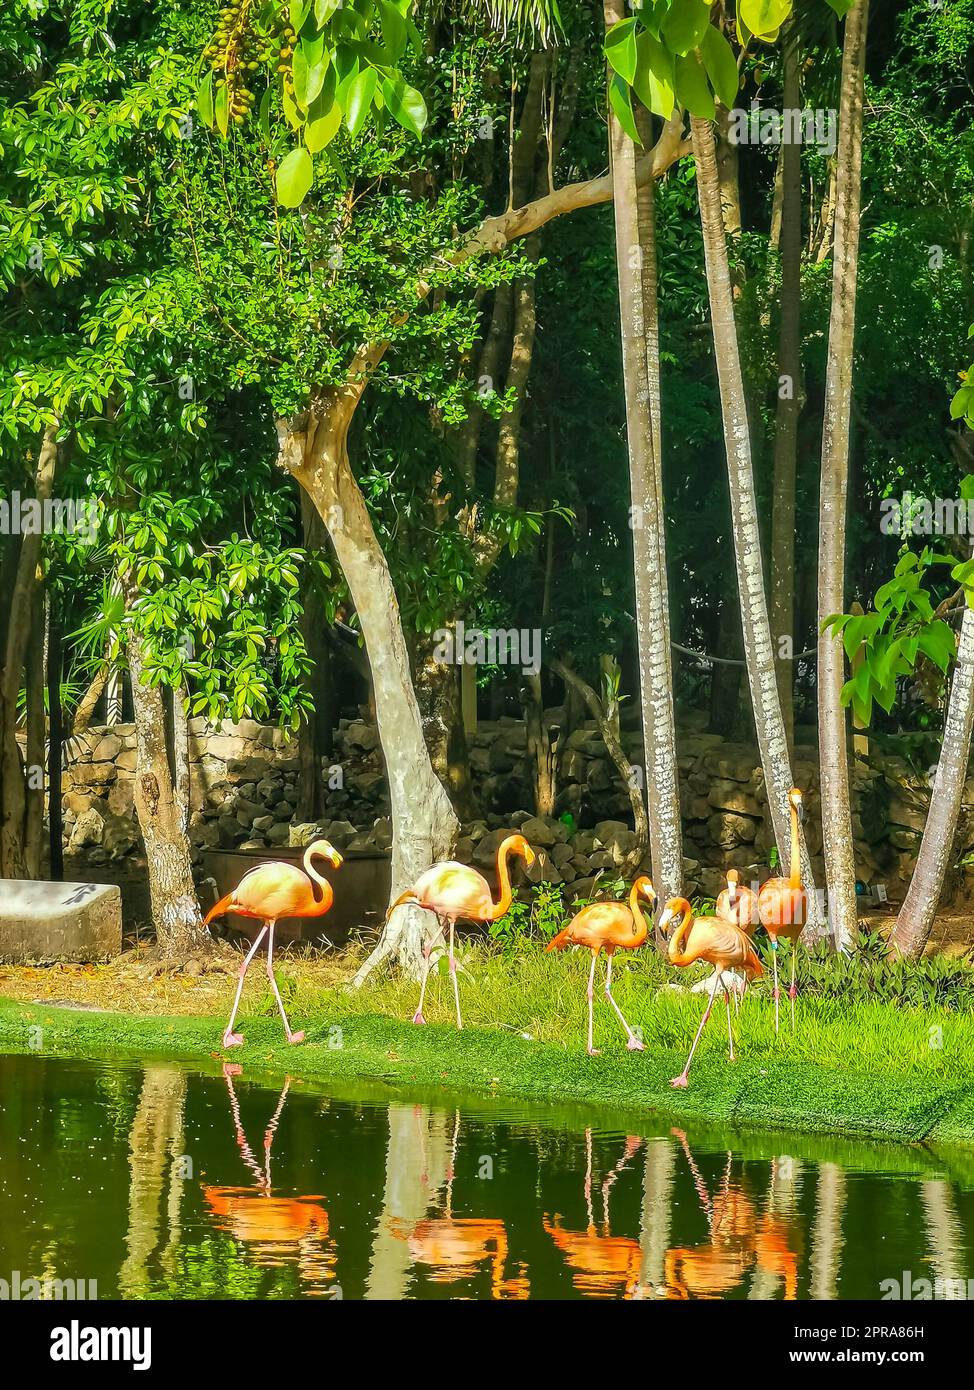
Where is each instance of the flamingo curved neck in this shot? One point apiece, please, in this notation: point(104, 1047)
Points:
point(324, 894)
point(677, 940)
point(639, 929)
point(500, 907)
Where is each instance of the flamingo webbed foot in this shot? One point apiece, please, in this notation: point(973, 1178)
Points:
point(418, 1017)
point(634, 1045)
point(295, 1037)
point(593, 1051)
point(681, 1082)
point(232, 1039)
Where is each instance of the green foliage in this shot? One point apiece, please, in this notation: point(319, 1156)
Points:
point(321, 63)
point(526, 923)
point(901, 627)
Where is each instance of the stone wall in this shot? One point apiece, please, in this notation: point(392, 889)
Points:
point(244, 795)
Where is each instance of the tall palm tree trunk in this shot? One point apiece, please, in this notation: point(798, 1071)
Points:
point(789, 404)
point(840, 868)
point(920, 905)
point(758, 646)
point(636, 268)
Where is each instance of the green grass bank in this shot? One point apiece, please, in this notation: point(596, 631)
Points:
point(863, 1071)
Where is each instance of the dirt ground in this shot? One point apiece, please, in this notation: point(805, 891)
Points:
point(126, 985)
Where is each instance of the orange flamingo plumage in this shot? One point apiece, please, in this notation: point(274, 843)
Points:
point(783, 904)
point(607, 926)
point(452, 891)
point(737, 904)
point(269, 892)
point(712, 939)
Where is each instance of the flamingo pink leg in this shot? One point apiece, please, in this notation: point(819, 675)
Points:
point(634, 1045)
point(427, 952)
point(730, 1030)
point(683, 1080)
point(291, 1037)
point(777, 992)
point(793, 990)
point(592, 1051)
point(230, 1038)
point(453, 974)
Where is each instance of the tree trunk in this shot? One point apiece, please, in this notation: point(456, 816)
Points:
point(916, 916)
point(85, 711)
point(36, 727)
point(840, 866)
point(542, 750)
point(613, 744)
point(315, 732)
point(758, 646)
point(55, 741)
point(314, 448)
point(635, 242)
point(175, 911)
point(13, 786)
point(437, 685)
point(789, 403)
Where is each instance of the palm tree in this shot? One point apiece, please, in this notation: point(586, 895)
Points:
point(840, 869)
point(758, 645)
point(635, 236)
point(916, 916)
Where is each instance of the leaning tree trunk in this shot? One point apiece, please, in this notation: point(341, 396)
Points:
point(758, 646)
point(789, 403)
point(636, 271)
point(314, 448)
point(916, 916)
point(840, 860)
point(613, 744)
point(175, 910)
point(13, 784)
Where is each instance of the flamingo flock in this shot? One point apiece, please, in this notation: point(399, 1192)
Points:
point(452, 892)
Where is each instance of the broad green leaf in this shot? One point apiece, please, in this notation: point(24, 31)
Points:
point(692, 89)
point(394, 32)
point(359, 103)
point(221, 108)
point(294, 178)
point(298, 12)
point(620, 48)
point(621, 102)
point(685, 25)
point(204, 99)
point(323, 129)
point(405, 104)
point(293, 116)
point(721, 65)
point(324, 9)
point(308, 72)
point(841, 7)
point(763, 17)
point(653, 82)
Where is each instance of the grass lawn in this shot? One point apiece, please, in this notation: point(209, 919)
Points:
point(858, 1068)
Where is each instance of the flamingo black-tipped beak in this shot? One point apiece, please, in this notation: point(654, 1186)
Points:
point(801, 812)
point(666, 917)
point(335, 859)
point(529, 856)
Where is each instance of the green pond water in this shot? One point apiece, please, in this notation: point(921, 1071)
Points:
point(162, 1182)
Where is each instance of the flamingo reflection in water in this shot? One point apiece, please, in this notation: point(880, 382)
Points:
point(602, 1265)
point(742, 1242)
point(279, 1231)
point(456, 1249)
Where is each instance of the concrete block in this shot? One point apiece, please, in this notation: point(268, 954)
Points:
point(59, 921)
